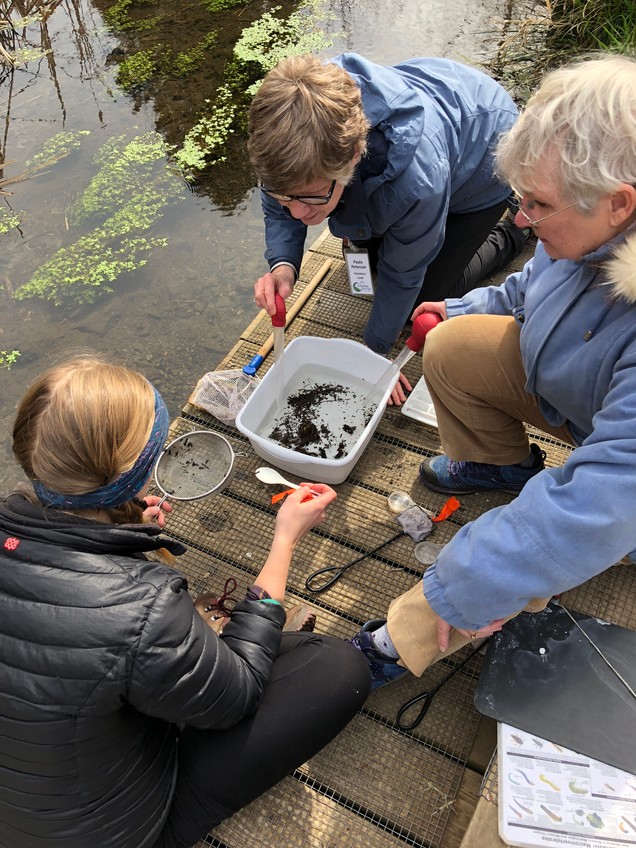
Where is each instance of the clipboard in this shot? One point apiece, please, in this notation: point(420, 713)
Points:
point(540, 674)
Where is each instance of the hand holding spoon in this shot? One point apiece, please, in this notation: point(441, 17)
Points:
point(273, 477)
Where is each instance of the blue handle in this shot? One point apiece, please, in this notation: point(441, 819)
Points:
point(255, 363)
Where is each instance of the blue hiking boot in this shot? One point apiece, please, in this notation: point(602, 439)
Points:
point(383, 670)
point(442, 474)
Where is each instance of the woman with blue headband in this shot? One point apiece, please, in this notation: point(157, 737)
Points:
point(118, 702)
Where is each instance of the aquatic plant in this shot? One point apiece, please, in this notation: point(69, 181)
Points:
point(8, 358)
point(85, 270)
point(223, 5)
point(126, 166)
point(16, 51)
point(204, 144)
point(540, 35)
point(56, 148)
point(259, 47)
point(188, 62)
point(128, 193)
point(271, 39)
point(137, 69)
point(8, 221)
point(24, 55)
point(118, 16)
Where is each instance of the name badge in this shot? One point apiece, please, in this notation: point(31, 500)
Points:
point(358, 270)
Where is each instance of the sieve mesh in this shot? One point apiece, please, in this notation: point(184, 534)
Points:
point(194, 465)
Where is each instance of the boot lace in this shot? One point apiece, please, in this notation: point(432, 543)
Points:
point(221, 603)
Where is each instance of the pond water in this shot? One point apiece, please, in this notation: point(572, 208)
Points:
point(176, 317)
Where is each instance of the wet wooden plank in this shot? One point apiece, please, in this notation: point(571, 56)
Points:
point(483, 829)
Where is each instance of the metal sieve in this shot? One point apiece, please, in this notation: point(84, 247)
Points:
point(194, 465)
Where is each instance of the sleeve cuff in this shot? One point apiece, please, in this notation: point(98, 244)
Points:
point(289, 265)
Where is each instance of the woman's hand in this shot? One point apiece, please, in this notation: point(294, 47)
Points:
point(301, 511)
point(444, 630)
point(155, 513)
point(398, 395)
point(281, 280)
point(437, 306)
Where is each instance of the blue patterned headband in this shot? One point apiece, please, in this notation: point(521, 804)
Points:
point(127, 484)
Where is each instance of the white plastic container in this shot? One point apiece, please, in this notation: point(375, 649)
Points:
point(324, 361)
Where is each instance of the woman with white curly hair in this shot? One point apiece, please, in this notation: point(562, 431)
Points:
point(554, 346)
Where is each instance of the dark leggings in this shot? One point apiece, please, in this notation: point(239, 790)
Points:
point(475, 246)
point(317, 685)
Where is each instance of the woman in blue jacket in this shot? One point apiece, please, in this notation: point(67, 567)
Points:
point(126, 721)
point(399, 159)
point(555, 347)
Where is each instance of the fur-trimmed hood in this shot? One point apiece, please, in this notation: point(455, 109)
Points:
point(620, 268)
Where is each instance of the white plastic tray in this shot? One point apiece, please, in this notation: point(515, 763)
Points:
point(419, 405)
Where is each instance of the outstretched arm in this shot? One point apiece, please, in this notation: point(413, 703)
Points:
point(297, 516)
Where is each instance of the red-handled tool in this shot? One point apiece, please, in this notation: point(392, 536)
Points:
point(279, 318)
point(422, 325)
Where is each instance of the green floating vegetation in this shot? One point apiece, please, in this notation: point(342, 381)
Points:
point(56, 148)
point(129, 191)
point(258, 49)
point(188, 62)
point(223, 5)
point(126, 167)
point(16, 52)
point(8, 221)
point(118, 16)
point(137, 69)
point(8, 358)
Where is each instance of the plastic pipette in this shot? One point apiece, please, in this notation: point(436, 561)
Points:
point(279, 319)
point(422, 325)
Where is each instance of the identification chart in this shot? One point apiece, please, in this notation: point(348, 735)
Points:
point(551, 796)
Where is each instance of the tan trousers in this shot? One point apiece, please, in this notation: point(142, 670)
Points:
point(476, 378)
point(412, 626)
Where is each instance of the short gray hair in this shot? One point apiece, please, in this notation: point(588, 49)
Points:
point(583, 114)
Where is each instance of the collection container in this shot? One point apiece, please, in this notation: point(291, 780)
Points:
point(324, 360)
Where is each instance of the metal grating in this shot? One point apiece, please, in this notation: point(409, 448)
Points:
point(375, 782)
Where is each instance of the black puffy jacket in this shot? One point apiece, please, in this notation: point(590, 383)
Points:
point(101, 653)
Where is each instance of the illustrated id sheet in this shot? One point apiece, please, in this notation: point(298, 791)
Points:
point(551, 796)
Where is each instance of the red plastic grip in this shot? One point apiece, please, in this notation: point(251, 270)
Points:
point(279, 318)
point(422, 325)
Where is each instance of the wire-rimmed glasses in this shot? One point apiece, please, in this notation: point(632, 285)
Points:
point(530, 205)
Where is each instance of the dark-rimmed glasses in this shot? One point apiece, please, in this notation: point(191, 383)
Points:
point(530, 205)
point(310, 200)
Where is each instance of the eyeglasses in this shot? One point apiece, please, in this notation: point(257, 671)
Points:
point(310, 200)
point(531, 205)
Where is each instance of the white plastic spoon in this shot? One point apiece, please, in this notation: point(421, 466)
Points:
point(271, 476)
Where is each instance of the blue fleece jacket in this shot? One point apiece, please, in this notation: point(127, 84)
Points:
point(572, 522)
point(434, 124)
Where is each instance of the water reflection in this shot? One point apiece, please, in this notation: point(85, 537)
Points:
point(176, 317)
